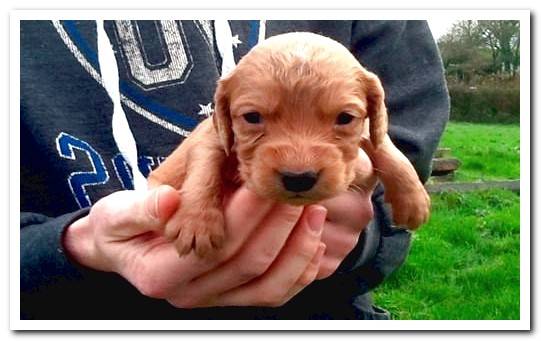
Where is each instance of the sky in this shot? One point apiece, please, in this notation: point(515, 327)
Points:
point(441, 26)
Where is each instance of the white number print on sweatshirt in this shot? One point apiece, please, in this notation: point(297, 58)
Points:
point(177, 62)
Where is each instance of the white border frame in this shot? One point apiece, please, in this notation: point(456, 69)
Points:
point(14, 235)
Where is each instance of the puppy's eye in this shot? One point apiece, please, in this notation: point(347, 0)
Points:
point(253, 117)
point(344, 118)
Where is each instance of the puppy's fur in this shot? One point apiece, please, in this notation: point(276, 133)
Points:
point(297, 103)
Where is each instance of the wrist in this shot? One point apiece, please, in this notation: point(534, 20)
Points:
point(78, 242)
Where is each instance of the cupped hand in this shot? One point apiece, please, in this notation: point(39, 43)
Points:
point(271, 253)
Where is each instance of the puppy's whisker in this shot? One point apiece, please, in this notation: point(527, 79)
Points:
point(237, 178)
point(358, 188)
point(257, 138)
point(379, 170)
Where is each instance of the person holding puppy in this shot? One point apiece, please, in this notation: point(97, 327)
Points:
point(97, 250)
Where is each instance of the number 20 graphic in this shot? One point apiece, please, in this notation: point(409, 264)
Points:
point(66, 145)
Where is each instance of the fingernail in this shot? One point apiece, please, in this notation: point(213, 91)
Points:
point(153, 211)
point(320, 253)
point(316, 218)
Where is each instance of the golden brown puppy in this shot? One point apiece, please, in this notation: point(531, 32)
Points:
point(290, 118)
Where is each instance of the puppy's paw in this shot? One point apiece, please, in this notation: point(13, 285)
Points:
point(202, 231)
point(410, 205)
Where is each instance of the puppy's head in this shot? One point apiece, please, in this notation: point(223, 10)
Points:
point(294, 110)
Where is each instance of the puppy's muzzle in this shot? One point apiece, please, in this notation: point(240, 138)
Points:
point(299, 182)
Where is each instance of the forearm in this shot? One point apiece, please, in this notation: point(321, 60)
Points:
point(406, 59)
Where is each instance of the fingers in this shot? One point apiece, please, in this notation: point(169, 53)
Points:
point(257, 253)
point(290, 272)
point(349, 213)
point(244, 211)
point(310, 274)
point(340, 240)
point(350, 209)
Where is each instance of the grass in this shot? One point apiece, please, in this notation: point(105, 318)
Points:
point(464, 264)
point(487, 151)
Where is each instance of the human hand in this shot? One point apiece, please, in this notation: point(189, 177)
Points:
point(273, 250)
point(348, 215)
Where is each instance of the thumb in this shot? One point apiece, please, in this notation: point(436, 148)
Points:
point(157, 206)
point(129, 213)
point(161, 203)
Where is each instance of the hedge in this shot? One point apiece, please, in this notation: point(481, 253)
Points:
point(487, 102)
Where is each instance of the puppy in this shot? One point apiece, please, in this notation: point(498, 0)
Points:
point(290, 120)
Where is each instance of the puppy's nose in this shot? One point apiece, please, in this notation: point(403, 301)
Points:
point(298, 182)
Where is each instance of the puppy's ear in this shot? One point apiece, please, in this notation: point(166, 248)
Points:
point(376, 110)
point(222, 117)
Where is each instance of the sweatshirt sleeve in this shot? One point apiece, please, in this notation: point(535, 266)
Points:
point(42, 255)
point(54, 287)
point(43, 261)
point(405, 57)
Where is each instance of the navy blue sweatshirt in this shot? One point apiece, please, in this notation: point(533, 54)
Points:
point(168, 72)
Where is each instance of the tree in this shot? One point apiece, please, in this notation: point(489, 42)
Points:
point(461, 51)
point(503, 39)
point(484, 47)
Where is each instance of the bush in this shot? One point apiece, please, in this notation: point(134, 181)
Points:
point(488, 101)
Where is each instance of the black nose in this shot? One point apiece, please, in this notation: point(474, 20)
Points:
point(299, 182)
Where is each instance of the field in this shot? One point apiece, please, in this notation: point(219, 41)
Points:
point(464, 264)
point(487, 151)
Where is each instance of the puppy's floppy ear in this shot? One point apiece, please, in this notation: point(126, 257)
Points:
point(376, 110)
point(222, 117)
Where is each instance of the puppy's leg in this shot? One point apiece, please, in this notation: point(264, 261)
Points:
point(194, 168)
point(403, 189)
point(199, 223)
point(172, 171)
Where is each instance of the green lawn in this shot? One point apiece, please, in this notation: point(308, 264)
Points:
point(487, 151)
point(464, 264)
